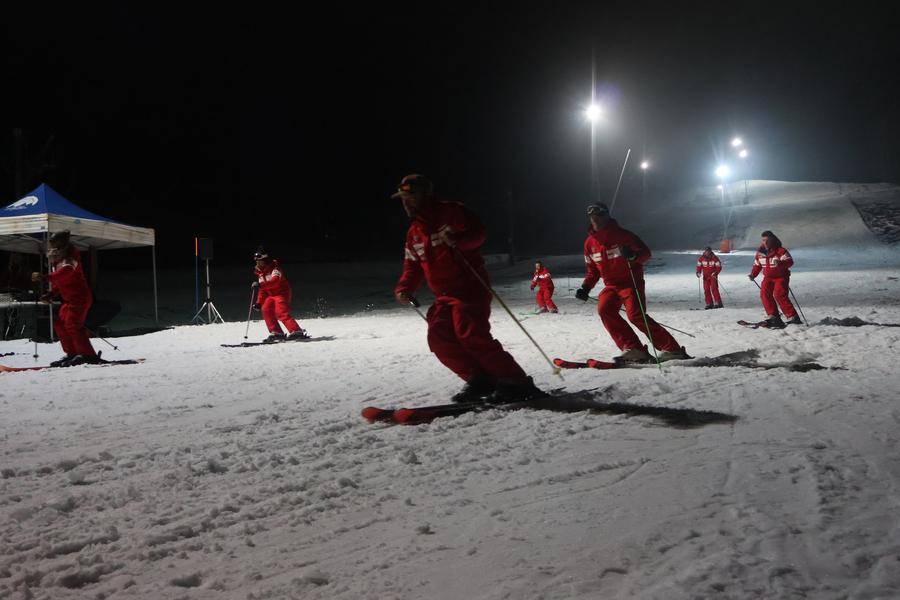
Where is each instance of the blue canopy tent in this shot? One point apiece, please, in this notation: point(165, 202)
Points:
point(27, 224)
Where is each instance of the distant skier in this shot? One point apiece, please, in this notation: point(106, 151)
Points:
point(67, 282)
point(274, 299)
point(709, 267)
point(775, 262)
point(443, 247)
point(544, 283)
point(618, 255)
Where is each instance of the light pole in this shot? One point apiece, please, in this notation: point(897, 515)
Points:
point(722, 172)
point(645, 164)
point(594, 113)
point(747, 176)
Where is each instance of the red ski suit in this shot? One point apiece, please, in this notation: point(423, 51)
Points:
point(68, 281)
point(274, 297)
point(709, 266)
point(603, 258)
point(459, 329)
point(775, 265)
point(544, 283)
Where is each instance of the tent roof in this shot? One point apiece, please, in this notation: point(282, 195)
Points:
point(24, 223)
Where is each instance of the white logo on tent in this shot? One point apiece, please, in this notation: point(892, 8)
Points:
point(23, 203)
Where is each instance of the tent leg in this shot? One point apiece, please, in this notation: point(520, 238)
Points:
point(49, 304)
point(155, 297)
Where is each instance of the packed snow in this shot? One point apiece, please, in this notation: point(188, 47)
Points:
point(210, 472)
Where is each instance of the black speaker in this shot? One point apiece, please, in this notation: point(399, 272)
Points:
point(205, 248)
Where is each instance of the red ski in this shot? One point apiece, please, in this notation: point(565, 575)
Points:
point(589, 364)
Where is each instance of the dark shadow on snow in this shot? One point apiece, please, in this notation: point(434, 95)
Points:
point(853, 322)
point(589, 400)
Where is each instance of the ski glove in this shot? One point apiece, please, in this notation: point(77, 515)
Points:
point(257, 306)
point(532, 288)
point(698, 275)
point(628, 253)
point(751, 277)
point(581, 294)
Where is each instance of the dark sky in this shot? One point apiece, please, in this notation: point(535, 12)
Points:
point(251, 124)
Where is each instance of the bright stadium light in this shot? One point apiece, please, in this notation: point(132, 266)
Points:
point(736, 142)
point(593, 113)
point(743, 153)
point(645, 165)
point(722, 171)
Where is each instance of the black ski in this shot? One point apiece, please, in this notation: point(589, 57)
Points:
point(102, 363)
point(760, 325)
point(321, 338)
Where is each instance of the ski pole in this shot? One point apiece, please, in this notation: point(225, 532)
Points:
point(415, 304)
point(658, 323)
point(97, 335)
point(643, 314)
point(253, 287)
point(798, 306)
point(556, 370)
point(699, 285)
point(612, 204)
point(723, 289)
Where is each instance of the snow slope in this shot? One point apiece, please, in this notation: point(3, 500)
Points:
point(209, 472)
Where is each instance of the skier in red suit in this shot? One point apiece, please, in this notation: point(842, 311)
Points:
point(544, 283)
point(274, 299)
point(709, 266)
point(67, 282)
point(617, 255)
point(775, 262)
point(443, 248)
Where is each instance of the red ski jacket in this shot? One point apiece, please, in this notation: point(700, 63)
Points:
point(775, 263)
point(442, 267)
point(603, 257)
point(542, 279)
point(67, 278)
point(272, 281)
point(709, 265)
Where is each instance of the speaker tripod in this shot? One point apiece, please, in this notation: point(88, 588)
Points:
point(212, 313)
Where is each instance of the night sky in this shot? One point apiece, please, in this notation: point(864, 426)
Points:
point(250, 124)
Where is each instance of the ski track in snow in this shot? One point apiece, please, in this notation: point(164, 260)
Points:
point(209, 472)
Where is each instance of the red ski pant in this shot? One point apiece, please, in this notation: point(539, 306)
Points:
point(69, 328)
point(544, 298)
point(711, 290)
point(774, 291)
point(459, 335)
point(611, 300)
point(278, 308)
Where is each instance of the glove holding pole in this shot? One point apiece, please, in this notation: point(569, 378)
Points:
point(404, 298)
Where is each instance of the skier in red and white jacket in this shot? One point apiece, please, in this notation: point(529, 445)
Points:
point(775, 262)
point(443, 248)
point(618, 255)
point(274, 299)
point(544, 283)
point(709, 266)
point(68, 283)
